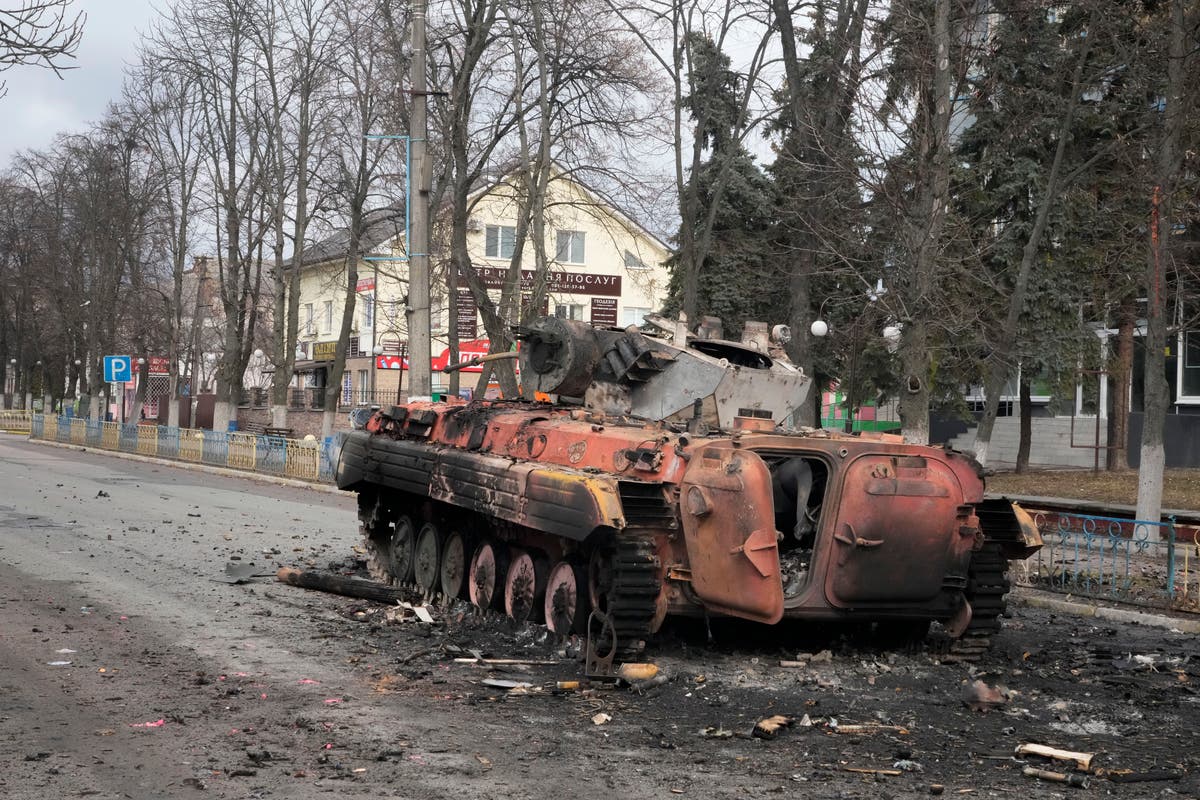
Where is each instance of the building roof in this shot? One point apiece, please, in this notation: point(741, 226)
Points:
point(381, 225)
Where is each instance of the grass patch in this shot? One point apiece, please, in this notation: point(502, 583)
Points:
point(1181, 487)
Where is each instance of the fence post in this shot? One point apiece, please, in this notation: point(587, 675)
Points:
point(1171, 557)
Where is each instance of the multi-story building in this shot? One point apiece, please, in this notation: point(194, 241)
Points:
point(605, 269)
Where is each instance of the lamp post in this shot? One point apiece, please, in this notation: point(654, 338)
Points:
point(47, 401)
point(376, 352)
point(29, 391)
point(12, 367)
point(891, 335)
point(75, 386)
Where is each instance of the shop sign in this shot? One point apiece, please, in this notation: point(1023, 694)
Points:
point(557, 281)
point(604, 311)
point(324, 351)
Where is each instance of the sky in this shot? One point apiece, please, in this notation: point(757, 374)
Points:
point(39, 104)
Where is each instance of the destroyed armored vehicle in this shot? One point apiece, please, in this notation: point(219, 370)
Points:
point(664, 480)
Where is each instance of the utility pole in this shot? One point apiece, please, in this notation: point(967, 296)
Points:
point(420, 380)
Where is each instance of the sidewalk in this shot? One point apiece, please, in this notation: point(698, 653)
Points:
point(1065, 604)
point(189, 466)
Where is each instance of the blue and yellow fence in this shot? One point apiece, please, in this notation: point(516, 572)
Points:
point(1109, 558)
point(15, 420)
point(308, 460)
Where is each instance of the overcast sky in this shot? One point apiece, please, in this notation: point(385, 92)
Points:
point(39, 105)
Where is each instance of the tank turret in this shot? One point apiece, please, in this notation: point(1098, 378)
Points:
point(672, 376)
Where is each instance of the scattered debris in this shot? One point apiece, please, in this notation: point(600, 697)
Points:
point(336, 584)
point(497, 683)
point(1071, 779)
point(978, 696)
point(158, 723)
point(872, 771)
point(908, 765)
point(237, 574)
point(58, 663)
point(404, 610)
point(487, 762)
point(506, 662)
point(1129, 776)
point(1083, 761)
point(1149, 662)
point(770, 727)
point(601, 718)
point(716, 732)
point(865, 728)
point(637, 671)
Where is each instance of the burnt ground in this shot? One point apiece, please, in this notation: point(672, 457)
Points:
point(180, 686)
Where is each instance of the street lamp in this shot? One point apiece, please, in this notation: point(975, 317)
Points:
point(890, 334)
point(376, 352)
point(45, 390)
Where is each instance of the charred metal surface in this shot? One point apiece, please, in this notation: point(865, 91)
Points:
point(635, 485)
point(729, 526)
point(1010, 527)
point(896, 537)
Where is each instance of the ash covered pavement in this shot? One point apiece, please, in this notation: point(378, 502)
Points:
point(127, 671)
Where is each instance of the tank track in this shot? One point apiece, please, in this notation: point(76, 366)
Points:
point(987, 585)
point(375, 530)
point(633, 599)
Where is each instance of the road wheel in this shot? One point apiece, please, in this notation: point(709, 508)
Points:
point(401, 550)
point(566, 603)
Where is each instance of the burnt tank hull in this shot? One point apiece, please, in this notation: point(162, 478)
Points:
point(548, 512)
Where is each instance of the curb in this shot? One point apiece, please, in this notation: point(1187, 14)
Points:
point(1036, 599)
point(187, 466)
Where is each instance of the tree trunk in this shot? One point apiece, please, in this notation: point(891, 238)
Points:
point(914, 391)
point(1119, 380)
point(1026, 434)
point(1168, 165)
point(925, 241)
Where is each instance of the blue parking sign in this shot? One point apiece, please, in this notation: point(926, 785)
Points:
point(118, 369)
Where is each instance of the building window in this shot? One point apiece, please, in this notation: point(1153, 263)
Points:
point(570, 247)
point(500, 241)
point(633, 262)
point(569, 311)
point(364, 386)
point(368, 314)
point(310, 327)
point(632, 315)
point(355, 348)
point(1189, 366)
point(328, 326)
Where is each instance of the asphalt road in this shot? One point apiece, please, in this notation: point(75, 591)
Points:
point(127, 671)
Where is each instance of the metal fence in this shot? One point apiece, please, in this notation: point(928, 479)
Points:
point(1130, 561)
point(309, 459)
point(15, 420)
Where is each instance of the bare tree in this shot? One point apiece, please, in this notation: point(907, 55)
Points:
point(363, 106)
point(295, 43)
point(167, 102)
point(40, 33)
point(212, 40)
